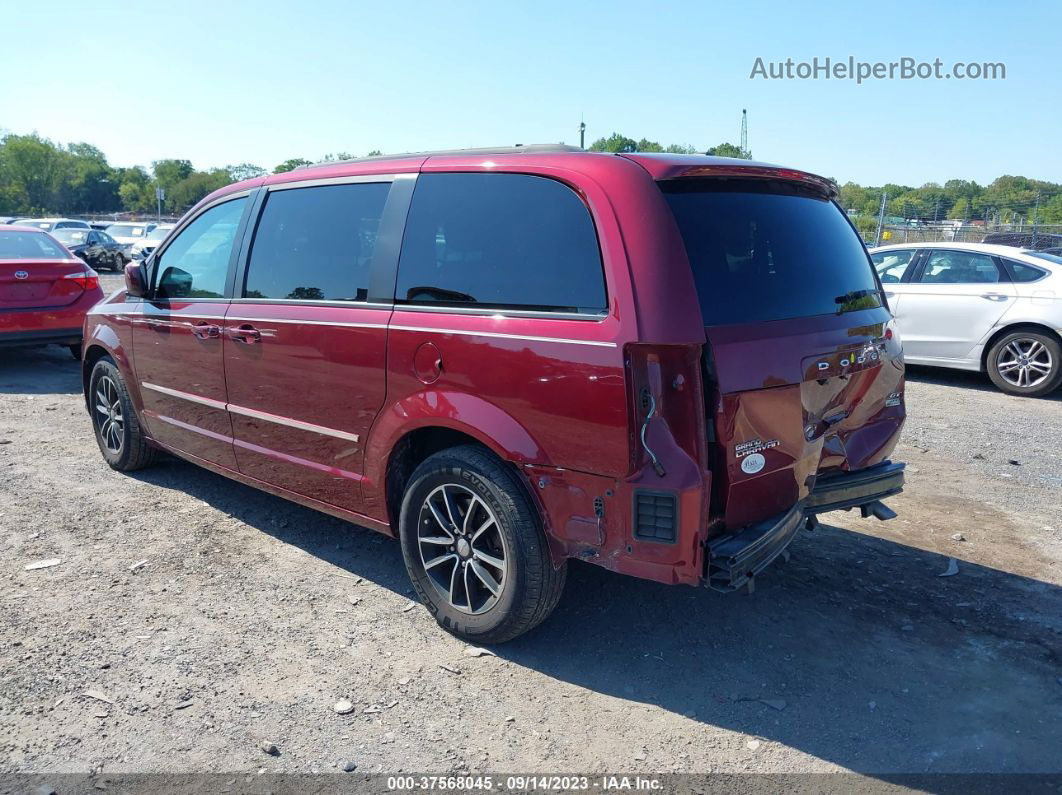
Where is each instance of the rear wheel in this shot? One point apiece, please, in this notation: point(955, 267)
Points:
point(1026, 362)
point(474, 547)
point(118, 433)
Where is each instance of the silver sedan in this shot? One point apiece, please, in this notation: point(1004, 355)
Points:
point(975, 306)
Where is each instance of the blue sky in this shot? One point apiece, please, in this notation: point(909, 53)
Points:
point(229, 82)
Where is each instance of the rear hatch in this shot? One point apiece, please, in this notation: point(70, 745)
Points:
point(36, 272)
point(804, 371)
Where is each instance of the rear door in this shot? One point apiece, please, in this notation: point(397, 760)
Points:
point(177, 341)
point(805, 373)
point(954, 299)
point(36, 272)
point(305, 349)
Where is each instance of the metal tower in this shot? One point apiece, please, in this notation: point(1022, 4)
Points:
point(744, 131)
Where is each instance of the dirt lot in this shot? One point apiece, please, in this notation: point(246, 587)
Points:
point(250, 617)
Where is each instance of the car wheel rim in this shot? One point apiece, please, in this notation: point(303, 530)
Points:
point(1025, 362)
point(462, 549)
point(109, 418)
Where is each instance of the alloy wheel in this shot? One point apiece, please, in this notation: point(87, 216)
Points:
point(108, 414)
point(462, 548)
point(1025, 363)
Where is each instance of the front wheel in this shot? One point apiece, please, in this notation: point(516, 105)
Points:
point(1027, 363)
point(118, 433)
point(474, 547)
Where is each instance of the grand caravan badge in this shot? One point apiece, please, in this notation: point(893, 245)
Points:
point(757, 445)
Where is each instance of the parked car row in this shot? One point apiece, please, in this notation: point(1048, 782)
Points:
point(130, 239)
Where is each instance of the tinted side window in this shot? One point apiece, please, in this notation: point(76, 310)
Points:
point(959, 267)
point(500, 240)
point(196, 263)
point(316, 244)
point(1020, 272)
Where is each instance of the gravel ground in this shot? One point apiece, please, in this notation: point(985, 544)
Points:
point(192, 619)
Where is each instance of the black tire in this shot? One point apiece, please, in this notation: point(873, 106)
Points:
point(530, 587)
point(124, 447)
point(1009, 363)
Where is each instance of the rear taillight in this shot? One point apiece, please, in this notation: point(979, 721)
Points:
point(86, 280)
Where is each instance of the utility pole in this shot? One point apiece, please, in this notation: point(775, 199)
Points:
point(582, 133)
point(1036, 216)
point(744, 131)
point(881, 218)
point(160, 194)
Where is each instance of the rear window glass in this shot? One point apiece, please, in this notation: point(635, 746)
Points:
point(500, 241)
point(71, 237)
point(316, 244)
point(29, 245)
point(763, 251)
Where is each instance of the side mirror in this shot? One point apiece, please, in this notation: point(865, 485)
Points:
point(174, 283)
point(135, 280)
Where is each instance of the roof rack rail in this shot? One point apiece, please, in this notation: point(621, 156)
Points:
point(484, 150)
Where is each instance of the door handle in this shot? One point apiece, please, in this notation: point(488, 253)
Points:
point(994, 296)
point(246, 334)
point(206, 331)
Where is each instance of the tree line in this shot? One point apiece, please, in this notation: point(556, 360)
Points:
point(40, 177)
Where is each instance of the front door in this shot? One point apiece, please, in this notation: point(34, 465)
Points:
point(955, 298)
point(178, 341)
point(305, 352)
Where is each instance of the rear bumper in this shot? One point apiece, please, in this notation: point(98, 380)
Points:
point(844, 490)
point(734, 560)
point(61, 325)
point(59, 336)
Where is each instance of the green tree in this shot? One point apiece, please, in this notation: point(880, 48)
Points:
point(243, 171)
point(729, 150)
point(194, 187)
point(92, 185)
point(960, 211)
point(614, 143)
point(33, 171)
point(136, 190)
point(291, 165)
point(374, 153)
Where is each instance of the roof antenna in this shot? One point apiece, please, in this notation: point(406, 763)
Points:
point(582, 132)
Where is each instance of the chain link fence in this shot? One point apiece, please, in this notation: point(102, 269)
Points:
point(1039, 236)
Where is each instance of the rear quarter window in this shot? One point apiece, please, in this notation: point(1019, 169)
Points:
point(1020, 272)
point(763, 251)
point(500, 241)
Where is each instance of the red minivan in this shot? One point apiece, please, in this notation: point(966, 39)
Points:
point(45, 290)
point(662, 364)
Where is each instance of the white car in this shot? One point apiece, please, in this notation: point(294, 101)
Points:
point(142, 248)
point(976, 306)
point(128, 233)
point(48, 224)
